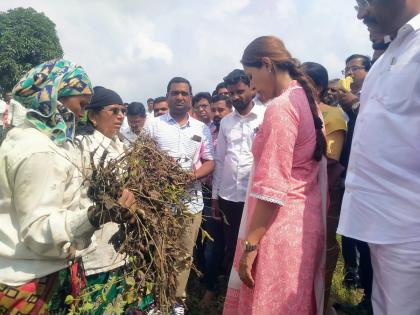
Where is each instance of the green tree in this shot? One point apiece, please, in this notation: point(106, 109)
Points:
point(27, 38)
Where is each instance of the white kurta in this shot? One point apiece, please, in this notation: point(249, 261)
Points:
point(40, 214)
point(382, 200)
point(381, 204)
point(104, 258)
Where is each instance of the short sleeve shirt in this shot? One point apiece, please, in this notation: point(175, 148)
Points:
point(183, 143)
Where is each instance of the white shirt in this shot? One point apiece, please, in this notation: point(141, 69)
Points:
point(3, 107)
point(233, 156)
point(41, 220)
point(382, 199)
point(128, 137)
point(184, 143)
point(104, 258)
point(17, 113)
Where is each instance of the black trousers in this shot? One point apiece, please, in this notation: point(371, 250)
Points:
point(233, 214)
point(209, 255)
point(351, 249)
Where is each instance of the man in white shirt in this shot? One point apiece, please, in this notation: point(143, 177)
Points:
point(234, 158)
point(381, 205)
point(136, 119)
point(150, 102)
point(184, 138)
point(214, 249)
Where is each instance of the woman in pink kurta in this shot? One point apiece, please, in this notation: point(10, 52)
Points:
point(283, 215)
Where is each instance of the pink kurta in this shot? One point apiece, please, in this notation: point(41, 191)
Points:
point(289, 254)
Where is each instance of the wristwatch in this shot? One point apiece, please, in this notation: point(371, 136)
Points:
point(248, 247)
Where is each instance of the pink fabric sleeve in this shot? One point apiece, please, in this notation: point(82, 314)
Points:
point(274, 148)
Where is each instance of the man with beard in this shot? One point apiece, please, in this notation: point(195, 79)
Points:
point(382, 198)
point(184, 138)
point(379, 44)
point(234, 158)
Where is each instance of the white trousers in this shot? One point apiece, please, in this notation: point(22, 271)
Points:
point(396, 278)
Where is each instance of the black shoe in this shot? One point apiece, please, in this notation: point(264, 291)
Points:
point(351, 278)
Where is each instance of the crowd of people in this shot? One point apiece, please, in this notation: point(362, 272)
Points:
point(282, 157)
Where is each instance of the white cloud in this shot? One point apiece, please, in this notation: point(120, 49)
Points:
point(136, 47)
point(142, 48)
point(221, 9)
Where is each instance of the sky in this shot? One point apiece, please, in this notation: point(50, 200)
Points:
point(136, 46)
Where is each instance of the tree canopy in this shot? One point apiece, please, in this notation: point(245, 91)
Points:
point(27, 38)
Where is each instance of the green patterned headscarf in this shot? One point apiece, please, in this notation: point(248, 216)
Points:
point(39, 91)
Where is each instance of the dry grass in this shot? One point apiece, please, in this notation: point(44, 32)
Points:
point(152, 244)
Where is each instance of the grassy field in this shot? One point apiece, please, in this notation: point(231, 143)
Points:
point(347, 299)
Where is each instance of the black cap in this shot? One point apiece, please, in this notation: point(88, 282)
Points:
point(103, 97)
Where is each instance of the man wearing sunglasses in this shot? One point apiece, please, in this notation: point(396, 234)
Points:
point(382, 198)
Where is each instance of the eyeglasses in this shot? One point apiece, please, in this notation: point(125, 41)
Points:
point(116, 110)
point(351, 69)
point(362, 5)
point(202, 106)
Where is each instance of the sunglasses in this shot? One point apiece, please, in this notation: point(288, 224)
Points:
point(116, 110)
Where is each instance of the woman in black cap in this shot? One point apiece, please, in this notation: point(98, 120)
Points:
point(105, 115)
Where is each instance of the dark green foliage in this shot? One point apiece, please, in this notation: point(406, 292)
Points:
point(27, 38)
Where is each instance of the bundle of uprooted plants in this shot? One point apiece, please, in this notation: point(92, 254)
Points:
point(152, 244)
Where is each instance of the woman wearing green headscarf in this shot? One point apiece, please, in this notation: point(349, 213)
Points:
point(43, 229)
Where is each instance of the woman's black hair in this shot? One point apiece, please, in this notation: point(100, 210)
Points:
point(319, 75)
